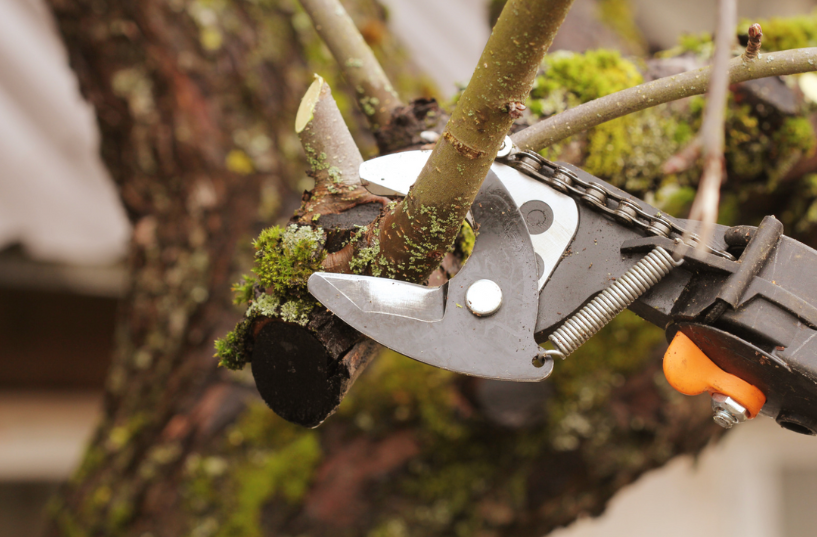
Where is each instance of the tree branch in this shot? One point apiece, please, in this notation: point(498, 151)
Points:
point(460, 161)
point(332, 155)
point(375, 94)
point(705, 206)
point(663, 90)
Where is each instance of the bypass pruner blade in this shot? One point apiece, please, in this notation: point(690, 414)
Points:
point(482, 321)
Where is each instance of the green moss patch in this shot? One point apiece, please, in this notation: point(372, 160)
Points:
point(284, 260)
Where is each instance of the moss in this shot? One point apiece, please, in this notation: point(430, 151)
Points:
point(230, 350)
point(628, 151)
point(286, 257)
point(285, 472)
point(698, 44)
point(262, 459)
point(243, 290)
point(587, 76)
point(673, 198)
point(795, 134)
point(466, 239)
point(284, 260)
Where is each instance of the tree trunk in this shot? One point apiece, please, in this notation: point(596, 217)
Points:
point(196, 103)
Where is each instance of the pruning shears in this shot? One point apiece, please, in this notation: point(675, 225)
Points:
point(559, 253)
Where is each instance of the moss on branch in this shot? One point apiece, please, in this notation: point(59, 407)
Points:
point(284, 260)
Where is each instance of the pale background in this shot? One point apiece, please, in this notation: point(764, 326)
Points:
point(59, 208)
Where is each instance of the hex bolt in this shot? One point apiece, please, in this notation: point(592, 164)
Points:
point(727, 411)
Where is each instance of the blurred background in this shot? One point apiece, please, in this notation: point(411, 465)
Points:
point(64, 235)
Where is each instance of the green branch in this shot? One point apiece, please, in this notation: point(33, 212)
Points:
point(414, 237)
point(660, 91)
point(375, 95)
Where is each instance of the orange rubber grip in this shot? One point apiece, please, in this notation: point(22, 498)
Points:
point(691, 372)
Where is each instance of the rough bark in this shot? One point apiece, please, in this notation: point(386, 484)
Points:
point(194, 101)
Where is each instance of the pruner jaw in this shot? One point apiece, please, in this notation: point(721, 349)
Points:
point(439, 326)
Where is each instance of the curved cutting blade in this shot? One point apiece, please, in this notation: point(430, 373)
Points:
point(434, 325)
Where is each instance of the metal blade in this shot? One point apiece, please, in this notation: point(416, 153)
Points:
point(393, 175)
point(378, 295)
point(436, 326)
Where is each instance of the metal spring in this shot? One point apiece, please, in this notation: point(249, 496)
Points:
point(586, 322)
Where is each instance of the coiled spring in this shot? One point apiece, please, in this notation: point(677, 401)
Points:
point(650, 270)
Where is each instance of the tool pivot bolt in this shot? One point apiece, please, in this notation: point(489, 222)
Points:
point(483, 298)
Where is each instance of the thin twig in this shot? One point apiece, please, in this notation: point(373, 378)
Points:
point(375, 94)
point(660, 91)
point(753, 46)
point(683, 159)
point(705, 206)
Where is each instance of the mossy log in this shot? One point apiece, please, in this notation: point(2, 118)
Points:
point(191, 103)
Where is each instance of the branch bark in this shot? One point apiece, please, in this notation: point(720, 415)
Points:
point(460, 161)
point(332, 156)
point(663, 90)
point(375, 94)
point(304, 370)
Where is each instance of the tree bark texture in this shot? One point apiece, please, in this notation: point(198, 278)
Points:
point(196, 102)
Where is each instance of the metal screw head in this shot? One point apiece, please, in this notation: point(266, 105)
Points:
point(483, 298)
point(727, 411)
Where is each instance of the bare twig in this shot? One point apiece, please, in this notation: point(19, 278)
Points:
point(660, 91)
point(753, 46)
point(705, 206)
point(332, 155)
point(375, 94)
point(683, 159)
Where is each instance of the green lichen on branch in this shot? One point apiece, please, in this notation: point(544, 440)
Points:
point(284, 260)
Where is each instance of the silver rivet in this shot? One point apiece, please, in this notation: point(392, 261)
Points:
point(484, 298)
